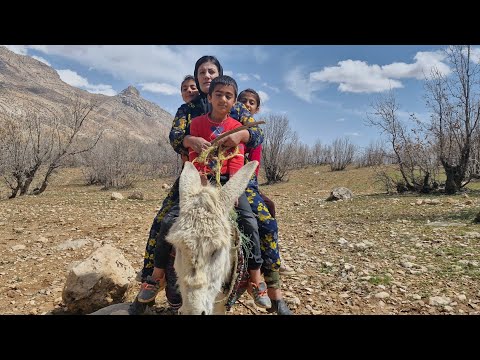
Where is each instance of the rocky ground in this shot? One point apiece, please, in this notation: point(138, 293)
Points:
point(376, 254)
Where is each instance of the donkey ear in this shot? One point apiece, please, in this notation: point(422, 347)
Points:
point(237, 184)
point(189, 181)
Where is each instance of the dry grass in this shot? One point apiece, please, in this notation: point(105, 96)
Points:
point(409, 252)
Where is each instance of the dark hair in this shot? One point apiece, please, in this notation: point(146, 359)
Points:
point(187, 77)
point(255, 94)
point(202, 60)
point(223, 80)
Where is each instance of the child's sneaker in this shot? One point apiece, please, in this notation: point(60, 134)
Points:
point(149, 289)
point(138, 308)
point(286, 270)
point(280, 307)
point(259, 295)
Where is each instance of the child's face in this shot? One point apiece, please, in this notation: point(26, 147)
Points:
point(206, 73)
point(222, 99)
point(250, 102)
point(189, 90)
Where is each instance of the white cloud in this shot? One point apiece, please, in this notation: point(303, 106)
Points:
point(265, 110)
point(277, 90)
point(72, 78)
point(475, 54)
point(421, 68)
point(137, 63)
point(260, 54)
point(360, 77)
point(256, 76)
point(162, 88)
point(340, 120)
point(300, 84)
point(101, 89)
point(264, 97)
point(228, 73)
point(356, 76)
point(243, 77)
point(42, 48)
point(18, 49)
point(352, 134)
point(41, 60)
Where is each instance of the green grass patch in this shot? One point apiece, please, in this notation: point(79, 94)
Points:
point(380, 280)
point(464, 215)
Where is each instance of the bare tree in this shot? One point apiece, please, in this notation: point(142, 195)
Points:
point(13, 154)
point(411, 153)
point(165, 162)
point(383, 177)
point(278, 148)
point(69, 140)
point(320, 154)
point(342, 153)
point(40, 138)
point(113, 163)
point(474, 164)
point(119, 161)
point(26, 145)
point(373, 155)
point(300, 154)
point(455, 105)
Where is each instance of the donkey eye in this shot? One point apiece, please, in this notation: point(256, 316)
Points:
point(214, 253)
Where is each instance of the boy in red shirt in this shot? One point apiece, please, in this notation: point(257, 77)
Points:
point(222, 95)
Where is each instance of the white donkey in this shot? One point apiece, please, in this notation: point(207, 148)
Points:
point(202, 236)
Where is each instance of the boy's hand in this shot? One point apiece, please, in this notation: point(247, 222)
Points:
point(203, 179)
point(234, 139)
point(198, 144)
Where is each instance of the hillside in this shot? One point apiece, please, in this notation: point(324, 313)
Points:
point(28, 83)
point(375, 254)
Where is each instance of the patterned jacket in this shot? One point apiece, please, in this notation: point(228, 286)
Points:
point(199, 106)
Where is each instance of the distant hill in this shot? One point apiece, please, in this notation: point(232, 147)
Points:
point(28, 83)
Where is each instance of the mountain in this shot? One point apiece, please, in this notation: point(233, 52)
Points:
point(26, 83)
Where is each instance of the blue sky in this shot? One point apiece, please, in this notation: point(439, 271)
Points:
point(325, 90)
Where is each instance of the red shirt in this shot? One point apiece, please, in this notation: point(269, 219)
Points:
point(255, 154)
point(203, 126)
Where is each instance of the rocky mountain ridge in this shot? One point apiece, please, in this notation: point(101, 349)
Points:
point(26, 83)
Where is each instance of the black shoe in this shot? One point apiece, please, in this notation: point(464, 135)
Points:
point(150, 289)
point(280, 307)
point(138, 308)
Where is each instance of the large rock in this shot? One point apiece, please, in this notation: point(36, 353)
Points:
point(340, 193)
point(101, 280)
point(123, 309)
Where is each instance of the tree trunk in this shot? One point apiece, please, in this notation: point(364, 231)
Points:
point(26, 185)
point(29, 178)
point(14, 192)
point(426, 186)
point(450, 183)
point(45, 180)
point(16, 189)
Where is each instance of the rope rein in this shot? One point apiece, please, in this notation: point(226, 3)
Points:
point(234, 250)
point(215, 155)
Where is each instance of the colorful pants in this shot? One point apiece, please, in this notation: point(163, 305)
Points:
point(267, 227)
point(170, 200)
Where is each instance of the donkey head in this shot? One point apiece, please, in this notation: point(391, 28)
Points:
point(202, 237)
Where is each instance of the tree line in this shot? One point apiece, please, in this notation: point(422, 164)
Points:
point(34, 146)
